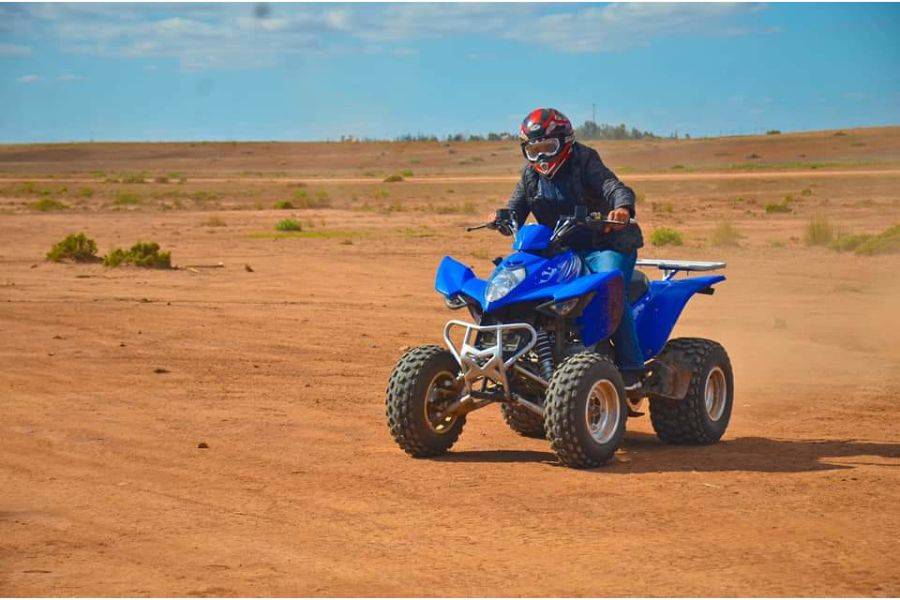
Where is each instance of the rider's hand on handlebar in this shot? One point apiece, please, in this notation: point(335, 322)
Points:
point(621, 215)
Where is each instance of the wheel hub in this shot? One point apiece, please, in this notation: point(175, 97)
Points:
point(442, 392)
point(601, 412)
point(715, 393)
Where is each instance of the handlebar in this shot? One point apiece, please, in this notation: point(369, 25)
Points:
point(565, 222)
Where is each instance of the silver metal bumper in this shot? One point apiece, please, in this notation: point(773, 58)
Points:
point(488, 363)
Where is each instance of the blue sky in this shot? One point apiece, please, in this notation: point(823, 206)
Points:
point(316, 71)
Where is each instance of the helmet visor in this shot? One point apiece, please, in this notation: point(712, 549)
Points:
point(542, 149)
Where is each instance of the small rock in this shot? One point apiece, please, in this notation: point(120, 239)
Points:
point(34, 266)
point(203, 445)
point(160, 370)
point(58, 337)
point(121, 344)
point(248, 268)
point(146, 300)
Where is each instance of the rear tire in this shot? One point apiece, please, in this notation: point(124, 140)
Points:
point(423, 381)
point(523, 421)
point(585, 411)
point(702, 416)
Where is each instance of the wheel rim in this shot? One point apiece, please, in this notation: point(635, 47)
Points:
point(601, 412)
point(441, 392)
point(715, 393)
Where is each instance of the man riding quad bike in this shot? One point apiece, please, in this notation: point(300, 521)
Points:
point(564, 325)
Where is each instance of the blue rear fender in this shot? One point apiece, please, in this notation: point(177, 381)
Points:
point(657, 311)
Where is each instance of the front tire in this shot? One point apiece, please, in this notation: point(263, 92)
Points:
point(702, 416)
point(423, 382)
point(585, 410)
point(523, 421)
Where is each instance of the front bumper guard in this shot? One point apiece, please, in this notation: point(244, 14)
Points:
point(488, 363)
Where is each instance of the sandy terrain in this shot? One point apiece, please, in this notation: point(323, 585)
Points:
point(281, 372)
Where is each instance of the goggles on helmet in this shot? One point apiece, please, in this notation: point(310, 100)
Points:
point(541, 149)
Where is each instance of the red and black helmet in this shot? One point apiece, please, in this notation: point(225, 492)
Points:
point(546, 136)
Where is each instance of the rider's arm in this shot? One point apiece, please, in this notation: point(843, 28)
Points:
point(518, 203)
point(605, 183)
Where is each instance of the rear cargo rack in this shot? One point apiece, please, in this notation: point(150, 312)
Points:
point(670, 267)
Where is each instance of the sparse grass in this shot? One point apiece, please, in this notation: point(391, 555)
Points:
point(819, 231)
point(161, 179)
point(725, 235)
point(48, 205)
point(303, 200)
point(414, 233)
point(806, 192)
point(395, 178)
point(320, 234)
point(776, 243)
point(780, 166)
point(665, 236)
point(214, 221)
point(288, 225)
point(133, 178)
point(662, 207)
point(284, 205)
point(677, 167)
point(76, 247)
point(466, 208)
point(886, 242)
point(85, 193)
point(127, 199)
point(779, 207)
point(142, 254)
point(406, 173)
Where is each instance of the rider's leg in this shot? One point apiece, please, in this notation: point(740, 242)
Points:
point(628, 351)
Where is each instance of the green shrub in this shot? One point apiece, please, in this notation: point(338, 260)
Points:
point(284, 205)
point(142, 254)
point(406, 173)
point(665, 236)
point(773, 132)
point(725, 235)
point(77, 247)
point(779, 207)
point(806, 192)
point(886, 242)
point(127, 199)
point(288, 225)
point(393, 178)
point(85, 193)
point(819, 232)
point(48, 205)
point(677, 167)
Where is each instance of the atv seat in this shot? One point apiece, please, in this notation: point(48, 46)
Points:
point(638, 286)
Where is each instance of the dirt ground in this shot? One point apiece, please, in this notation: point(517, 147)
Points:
point(281, 372)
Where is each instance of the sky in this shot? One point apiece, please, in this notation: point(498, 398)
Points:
point(154, 72)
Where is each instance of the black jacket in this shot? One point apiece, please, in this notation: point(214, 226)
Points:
point(583, 179)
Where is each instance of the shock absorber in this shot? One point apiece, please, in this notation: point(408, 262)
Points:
point(543, 347)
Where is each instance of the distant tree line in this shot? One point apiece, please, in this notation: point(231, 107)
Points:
point(588, 131)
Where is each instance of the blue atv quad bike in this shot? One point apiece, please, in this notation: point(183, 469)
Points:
point(539, 345)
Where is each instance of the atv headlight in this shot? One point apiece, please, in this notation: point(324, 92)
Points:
point(503, 283)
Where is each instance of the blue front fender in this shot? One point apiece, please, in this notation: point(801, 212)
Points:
point(454, 278)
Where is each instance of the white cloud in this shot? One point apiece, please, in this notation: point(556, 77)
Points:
point(237, 36)
point(14, 50)
point(29, 79)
